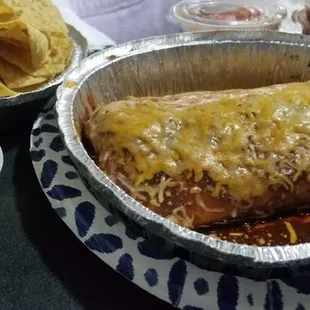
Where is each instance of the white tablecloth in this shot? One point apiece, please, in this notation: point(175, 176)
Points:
point(124, 20)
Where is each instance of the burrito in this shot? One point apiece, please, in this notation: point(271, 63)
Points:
point(200, 158)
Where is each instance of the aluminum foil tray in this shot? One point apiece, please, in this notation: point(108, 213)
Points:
point(173, 64)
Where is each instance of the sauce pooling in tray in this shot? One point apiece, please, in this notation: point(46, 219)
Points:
point(293, 227)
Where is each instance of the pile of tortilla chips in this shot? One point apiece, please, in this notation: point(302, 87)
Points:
point(34, 45)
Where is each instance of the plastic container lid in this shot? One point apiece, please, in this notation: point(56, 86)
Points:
point(228, 14)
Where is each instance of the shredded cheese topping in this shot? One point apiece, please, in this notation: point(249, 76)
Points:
point(245, 141)
point(292, 232)
point(156, 193)
point(179, 216)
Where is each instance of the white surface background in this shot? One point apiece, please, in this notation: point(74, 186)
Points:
point(104, 22)
point(124, 20)
point(96, 39)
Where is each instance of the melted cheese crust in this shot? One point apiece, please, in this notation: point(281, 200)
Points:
point(245, 141)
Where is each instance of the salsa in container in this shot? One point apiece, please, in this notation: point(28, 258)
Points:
point(228, 14)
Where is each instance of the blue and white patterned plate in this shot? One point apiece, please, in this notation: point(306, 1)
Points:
point(170, 278)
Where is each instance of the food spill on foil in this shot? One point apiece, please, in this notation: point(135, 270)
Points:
point(290, 229)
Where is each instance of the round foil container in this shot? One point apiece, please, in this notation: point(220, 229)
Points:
point(173, 64)
point(17, 109)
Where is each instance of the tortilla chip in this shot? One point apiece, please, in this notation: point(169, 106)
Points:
point(15, 78)
point(29, 88)
point(6, 92)
point(55, 63)
point(34, 44)
point(41, 14)
point(7, 13)
point(17, 2)
point(14, 33)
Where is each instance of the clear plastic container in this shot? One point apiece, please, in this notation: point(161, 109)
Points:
point(228, 15)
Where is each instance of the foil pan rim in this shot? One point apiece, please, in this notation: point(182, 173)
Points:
point(79, 52)
point(276, 256)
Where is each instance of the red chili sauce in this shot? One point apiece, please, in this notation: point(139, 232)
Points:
point(238, 14)
point(291, 228)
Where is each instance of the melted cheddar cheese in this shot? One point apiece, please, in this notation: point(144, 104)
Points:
point(245, 141)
